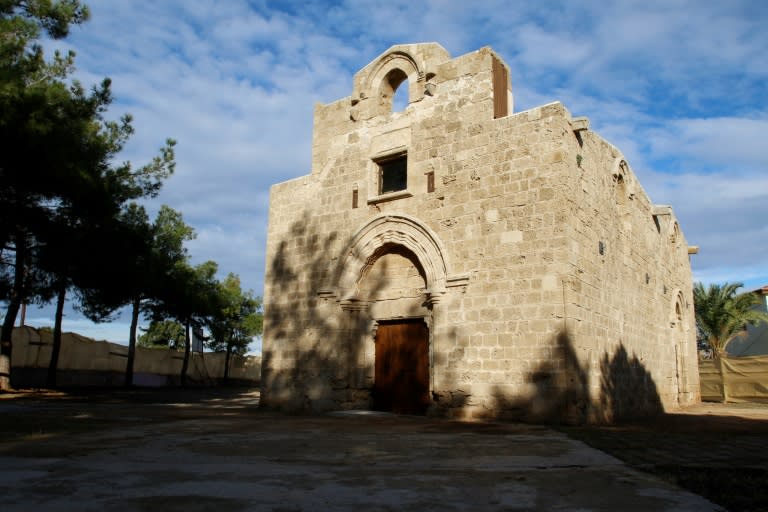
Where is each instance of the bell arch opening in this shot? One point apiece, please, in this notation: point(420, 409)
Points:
point(397, 89)
point(391, 83)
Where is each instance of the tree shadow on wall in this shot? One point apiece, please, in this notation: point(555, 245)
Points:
point(312, 358)
point(557, 391)
point(627, 390)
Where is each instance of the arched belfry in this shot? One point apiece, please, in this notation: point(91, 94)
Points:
point(454, 257)
point(375, 84)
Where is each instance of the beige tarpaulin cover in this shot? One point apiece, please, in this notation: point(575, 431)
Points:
point(743, 379)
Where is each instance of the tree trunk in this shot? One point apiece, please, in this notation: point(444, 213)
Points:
point(132, 342)
point(10, 319)
point(53, 366)
point(5, 344)
point(187, 349)
point(723, 382)
point(7, 331)
point(226, 362)
point(15, 299)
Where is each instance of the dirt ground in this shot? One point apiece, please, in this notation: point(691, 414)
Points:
point(717, 450)
point(209, 449)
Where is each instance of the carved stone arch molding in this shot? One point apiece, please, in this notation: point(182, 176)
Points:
point(375, 84)
point(394, 229)
point(395, 61)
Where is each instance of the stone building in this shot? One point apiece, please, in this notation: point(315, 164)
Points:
point(458, 258)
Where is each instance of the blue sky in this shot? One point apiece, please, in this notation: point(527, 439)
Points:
point(681, 87)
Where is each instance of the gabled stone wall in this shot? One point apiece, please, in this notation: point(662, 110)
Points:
point(552, 287)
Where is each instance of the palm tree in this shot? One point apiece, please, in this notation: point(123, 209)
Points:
point(721, 314)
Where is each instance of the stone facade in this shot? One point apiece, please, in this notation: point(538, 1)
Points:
point(551, 286)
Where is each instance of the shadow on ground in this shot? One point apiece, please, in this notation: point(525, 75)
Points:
point(716, 450)
point(719, 453)
point(196, 395)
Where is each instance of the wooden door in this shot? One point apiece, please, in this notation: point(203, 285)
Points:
point(401, 381)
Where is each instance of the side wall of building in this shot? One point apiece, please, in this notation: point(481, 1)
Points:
point(628, 298)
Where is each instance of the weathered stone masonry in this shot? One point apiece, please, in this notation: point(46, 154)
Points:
point(550, 286)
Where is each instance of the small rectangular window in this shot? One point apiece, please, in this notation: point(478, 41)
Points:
point(393, 174)
point(430, 181)
point(354, 198)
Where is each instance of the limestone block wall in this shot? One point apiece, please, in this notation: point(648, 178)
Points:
point(87, 362)
point(629, 295)
point(495, 242)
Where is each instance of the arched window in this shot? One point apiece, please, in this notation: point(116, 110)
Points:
point(400, 99)
point(674, 234)
point(621, 185)
point(620, 188)
point(678, 312)
point(394, 90)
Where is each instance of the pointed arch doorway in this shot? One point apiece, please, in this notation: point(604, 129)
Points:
point(392, 278)
point(394, 288)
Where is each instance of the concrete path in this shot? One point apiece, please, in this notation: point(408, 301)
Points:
point(222, 453)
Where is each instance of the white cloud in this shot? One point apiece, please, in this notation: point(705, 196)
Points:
point(731, 143)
